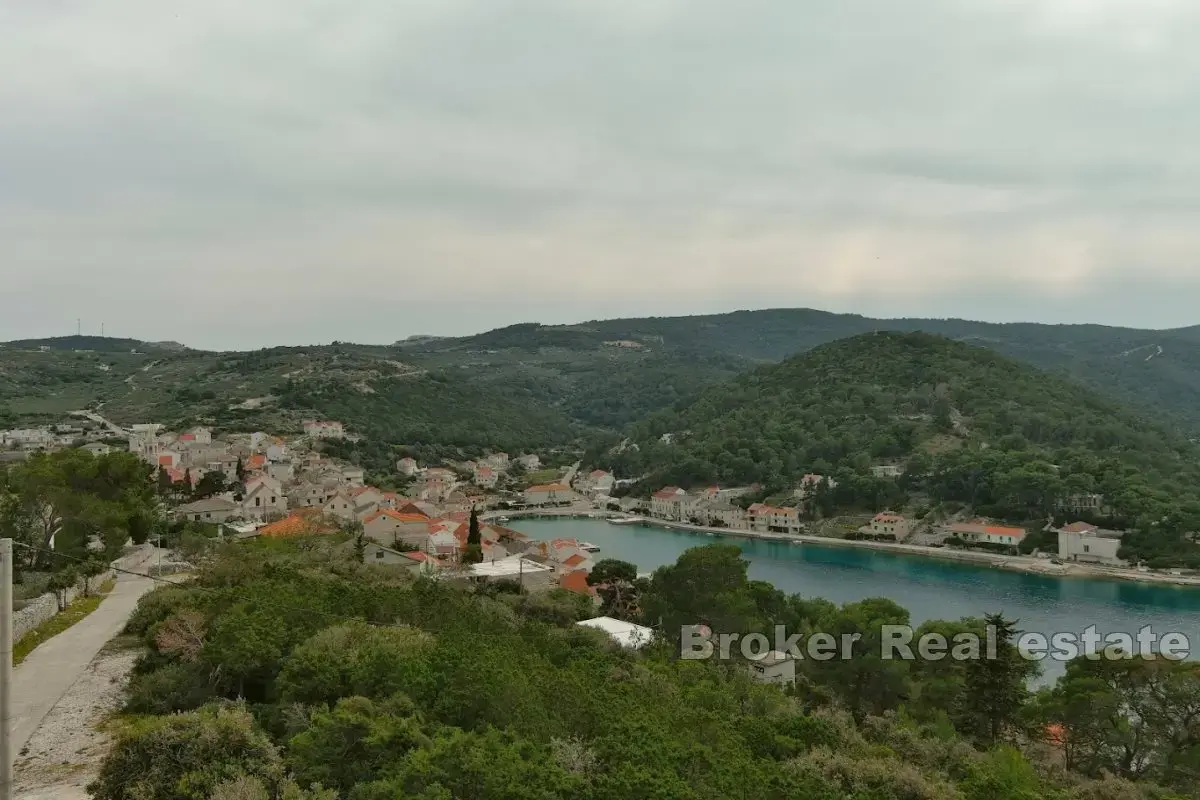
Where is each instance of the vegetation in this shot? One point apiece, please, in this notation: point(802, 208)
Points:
point(974, 428)
point(73, 499)
point(66, 618)
point(288, 670)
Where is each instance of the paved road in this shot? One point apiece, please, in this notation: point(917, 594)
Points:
point(44, 677)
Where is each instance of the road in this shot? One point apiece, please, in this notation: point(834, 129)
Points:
point(48, 673)
point(570, 475)
point(113, 427)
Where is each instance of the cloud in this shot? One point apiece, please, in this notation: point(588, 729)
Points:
point(236, 175)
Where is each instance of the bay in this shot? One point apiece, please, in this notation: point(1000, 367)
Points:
point(929, 588)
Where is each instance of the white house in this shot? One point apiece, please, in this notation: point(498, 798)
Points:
point(1082, 542)
point(888, 522)
point(485, 476)
point(407, 466)
point(982, 532)
point(530, 461)
point(264, 498)
point(340, 504)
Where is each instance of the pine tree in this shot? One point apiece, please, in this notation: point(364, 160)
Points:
point(995, 685)
point(474, 552)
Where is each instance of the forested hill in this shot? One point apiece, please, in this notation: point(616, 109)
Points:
point(971, 425)
point(1155, 370)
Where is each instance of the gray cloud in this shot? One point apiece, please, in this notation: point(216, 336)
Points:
point(237, 175)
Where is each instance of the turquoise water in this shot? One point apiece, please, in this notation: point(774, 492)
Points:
point(929, 588)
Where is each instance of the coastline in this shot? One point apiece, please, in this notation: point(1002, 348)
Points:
point(1026, 564)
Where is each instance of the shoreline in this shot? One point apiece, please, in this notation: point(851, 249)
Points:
point(1025, 564)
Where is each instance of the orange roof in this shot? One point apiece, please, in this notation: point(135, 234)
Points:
point(548, 487)
point(1056, 734)
point(296, 524)
point(187, 437)
point(164, 460)
point(575, 560)
point(361, 489)
point(667, 492)
point(560, 543)
point(888, 516)
point(575, 582)
point(1080, 527)
point(255, 461)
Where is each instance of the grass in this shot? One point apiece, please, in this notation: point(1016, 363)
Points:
point(543, 476)
point(60, 622)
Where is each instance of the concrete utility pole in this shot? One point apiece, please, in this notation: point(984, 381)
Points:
point(6, 654)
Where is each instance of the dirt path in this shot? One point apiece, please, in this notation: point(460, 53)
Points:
point(65, 752)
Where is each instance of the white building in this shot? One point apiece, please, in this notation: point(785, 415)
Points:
point(407, 466)
point(774, 667)
point(1086, 543)
point(143, 440)
point(888, 522)
point(625, 634)
point(667, 503)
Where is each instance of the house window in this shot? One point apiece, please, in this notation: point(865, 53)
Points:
point(379, 554)
point(1086, 548)
point(258, 501)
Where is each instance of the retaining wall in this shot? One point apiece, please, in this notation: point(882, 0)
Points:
point(45, 607)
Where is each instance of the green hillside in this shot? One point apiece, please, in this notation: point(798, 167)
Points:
point(974, 427)
point(1124, 363)
point(530, 384)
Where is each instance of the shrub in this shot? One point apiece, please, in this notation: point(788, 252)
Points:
point(187, 756)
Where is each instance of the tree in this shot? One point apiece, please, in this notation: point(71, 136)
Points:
point(210, 484)
point(353, 742)
point(995, 684)
point(705, 585)
point(618, 587)
point(473, 553)
point(60, 583)
point(241, 471)
point(89, 569)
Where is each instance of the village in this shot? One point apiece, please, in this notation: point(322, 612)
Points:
point(259, 484)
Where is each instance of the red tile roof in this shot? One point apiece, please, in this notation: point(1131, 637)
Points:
point(575, 582)
point(298, 523)
point(575, 560)
point(1080, 527)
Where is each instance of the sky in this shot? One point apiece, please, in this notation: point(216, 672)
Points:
point(238, 175)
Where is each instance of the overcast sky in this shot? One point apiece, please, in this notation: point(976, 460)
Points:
point(239, 174)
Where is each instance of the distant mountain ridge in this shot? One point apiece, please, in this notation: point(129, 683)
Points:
point(576, 379)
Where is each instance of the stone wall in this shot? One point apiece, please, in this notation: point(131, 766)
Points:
point(45, 607)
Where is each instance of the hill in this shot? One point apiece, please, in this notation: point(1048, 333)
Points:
point(535, 385)
point(974, 427)
point(1154, 370)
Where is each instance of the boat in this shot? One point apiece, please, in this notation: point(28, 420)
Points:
point(502, 519)
point(589, 547)
point(626, 520)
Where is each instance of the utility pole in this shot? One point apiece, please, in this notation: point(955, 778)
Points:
point(6, 653)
